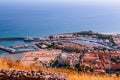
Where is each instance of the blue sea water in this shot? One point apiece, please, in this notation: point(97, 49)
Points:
point(18, 20)
point(1, 51)
point(10, 43)
point(37, 20)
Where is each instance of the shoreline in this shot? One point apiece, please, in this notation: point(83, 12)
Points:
point(90, 48)
point(39, 38)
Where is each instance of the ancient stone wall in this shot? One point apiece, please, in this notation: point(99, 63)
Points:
point(29, 75)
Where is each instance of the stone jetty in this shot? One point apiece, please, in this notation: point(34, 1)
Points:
point(29, 75)
point(10, 50)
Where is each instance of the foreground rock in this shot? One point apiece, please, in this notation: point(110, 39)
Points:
point(29, 75)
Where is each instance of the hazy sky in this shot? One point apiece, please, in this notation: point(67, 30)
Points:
point(104, 2)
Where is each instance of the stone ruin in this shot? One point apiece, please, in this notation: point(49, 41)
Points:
point(29, 75)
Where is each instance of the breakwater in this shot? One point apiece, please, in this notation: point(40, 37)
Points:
point(10, 50)
point(14, 38)
point(19, 38)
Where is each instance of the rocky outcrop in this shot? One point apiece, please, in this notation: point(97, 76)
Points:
point(29, 75)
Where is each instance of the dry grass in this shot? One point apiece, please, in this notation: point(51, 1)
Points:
point(71, 74)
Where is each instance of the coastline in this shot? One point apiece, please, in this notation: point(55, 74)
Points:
point(74, 47)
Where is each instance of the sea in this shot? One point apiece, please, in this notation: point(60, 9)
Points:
point(38, 20)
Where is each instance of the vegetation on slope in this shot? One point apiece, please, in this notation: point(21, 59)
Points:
point(97, 35)
point(71, 74)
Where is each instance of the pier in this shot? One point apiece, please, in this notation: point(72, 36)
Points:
point(10, 50)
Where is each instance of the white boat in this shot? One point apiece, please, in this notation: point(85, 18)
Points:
point(28, 39)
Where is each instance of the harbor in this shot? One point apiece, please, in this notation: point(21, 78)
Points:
point(24, 44)
point(64, 50)
point(16, 45)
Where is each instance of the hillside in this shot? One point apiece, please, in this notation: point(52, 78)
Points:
point(9, 66)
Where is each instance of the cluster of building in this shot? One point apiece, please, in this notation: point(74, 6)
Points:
point(97, 61)
point(70, 60)
point(101, 56)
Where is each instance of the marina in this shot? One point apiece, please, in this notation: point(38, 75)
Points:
point(23, 44)
point(17, 45)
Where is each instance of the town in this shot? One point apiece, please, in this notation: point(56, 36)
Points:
point(86, 51)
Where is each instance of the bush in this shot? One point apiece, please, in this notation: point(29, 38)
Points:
point(80, 67)
point(109, 37)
